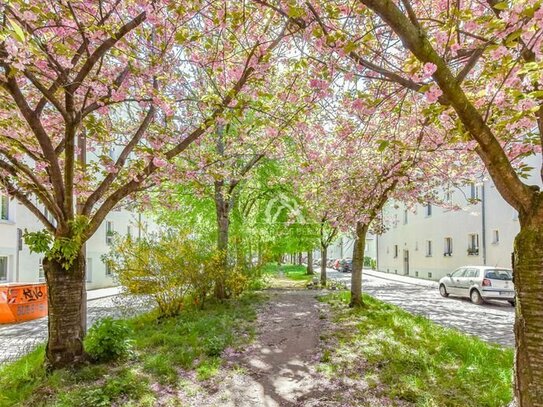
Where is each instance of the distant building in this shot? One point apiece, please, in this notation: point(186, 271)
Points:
point(431, 241)
point(17, 264)
point(342, 248)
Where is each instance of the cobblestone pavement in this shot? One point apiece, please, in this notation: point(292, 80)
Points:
point(492, 322)
point(19, 339)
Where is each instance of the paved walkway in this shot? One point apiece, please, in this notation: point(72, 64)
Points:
point(492, 322)
point(18, 339)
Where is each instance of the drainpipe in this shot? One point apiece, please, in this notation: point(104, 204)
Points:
point(483, 221)
point(377, 251)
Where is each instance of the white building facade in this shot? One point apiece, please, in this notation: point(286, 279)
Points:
point(342, 248)
point(429, 241)
point(19, 265)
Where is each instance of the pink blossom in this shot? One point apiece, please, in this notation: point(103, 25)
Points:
point(159, 162)
point(428, 70)
point(433, 94)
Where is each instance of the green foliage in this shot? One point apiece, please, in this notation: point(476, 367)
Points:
point(38, 242)
point(161, 268)
point(108, 339)
point(193, 340)
point(61, 249)
point(410, 358)
point(370, 262)
point(126, 384)
point(176, 268)
point(290, 271)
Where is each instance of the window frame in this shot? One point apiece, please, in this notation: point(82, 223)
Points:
point(429, 248)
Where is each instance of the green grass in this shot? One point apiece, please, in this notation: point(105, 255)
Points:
point(161, 349)
point(290, 271)
point(408, 357)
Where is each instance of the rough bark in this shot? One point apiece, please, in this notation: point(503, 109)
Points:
point(528, 279)
point(324, 258)
point(310, 262)
point(223, 226)
point(64, 293)
point(358, 264)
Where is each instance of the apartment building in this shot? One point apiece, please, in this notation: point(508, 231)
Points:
point(17, 264)
point(430, 241)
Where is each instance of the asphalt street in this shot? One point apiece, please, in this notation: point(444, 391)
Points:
point(492, 322)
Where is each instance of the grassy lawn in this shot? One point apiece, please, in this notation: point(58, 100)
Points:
point(290, 271)
point(162, 350)
point(405, 357)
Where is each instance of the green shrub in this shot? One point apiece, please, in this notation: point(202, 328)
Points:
point(370, 262)
point(108, 339)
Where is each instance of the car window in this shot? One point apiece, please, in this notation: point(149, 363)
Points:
point(472, 273)
point(458, 273)
point(498, 274)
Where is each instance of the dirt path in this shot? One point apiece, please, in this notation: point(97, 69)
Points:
point(278, 369)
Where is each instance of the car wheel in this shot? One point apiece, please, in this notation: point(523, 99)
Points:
point(443, 290)
point(512, 302)
point(475, 297)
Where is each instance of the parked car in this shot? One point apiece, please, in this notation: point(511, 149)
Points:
point(346, 266)
point(479, 283)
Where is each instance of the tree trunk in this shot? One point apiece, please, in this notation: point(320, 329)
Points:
point(310, 262)
point(358, 264)
point(324, 255)
point(65, 288)
point(528, 279)
point(223, 224)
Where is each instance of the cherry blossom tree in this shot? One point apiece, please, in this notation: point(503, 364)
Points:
point(370, 151)
point(479, 63)
point(81, 77)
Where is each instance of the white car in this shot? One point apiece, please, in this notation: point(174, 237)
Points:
point(479, 283)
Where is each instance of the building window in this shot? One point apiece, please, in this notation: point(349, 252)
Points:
point(448, 196)
point(428, 248)
point(474, 191)
point(88, 270)
point(4, 208)
point(49, 217)
point(395, 222)
point(429, 275)
point(495, 236)
point(3, 268)
point(428, 210)
point(416, 273)
point(448, 247)
point(473, 244)
point(395, 251)
point(109, 270)
point(405, 217)
point(41, 272)
point(109, 232)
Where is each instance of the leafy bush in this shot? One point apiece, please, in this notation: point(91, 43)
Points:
point(175, 268)
point(162, 268)
point(370, 262)
point(108, 339)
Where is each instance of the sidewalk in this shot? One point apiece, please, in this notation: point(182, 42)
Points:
point(103, 292)
point(400, 278)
